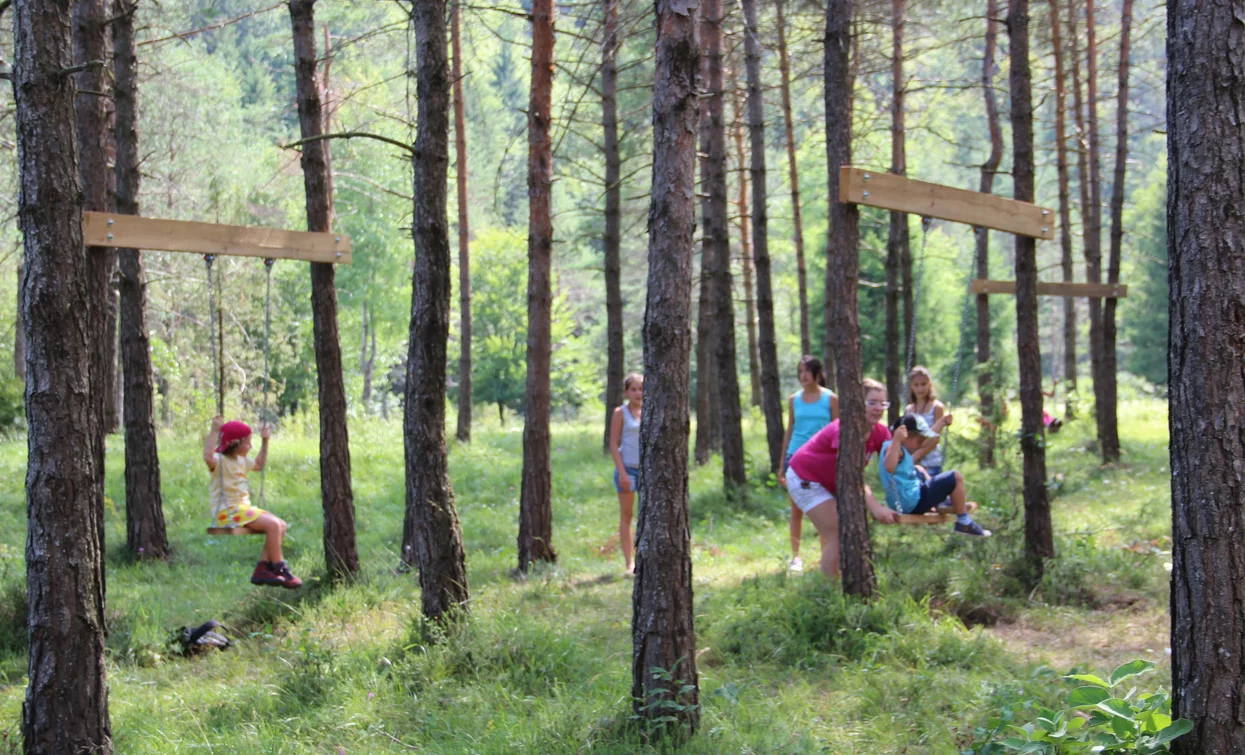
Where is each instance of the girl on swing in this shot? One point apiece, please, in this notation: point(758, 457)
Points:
point(225, 450)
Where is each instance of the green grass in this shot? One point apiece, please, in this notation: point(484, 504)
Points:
point(787, 663)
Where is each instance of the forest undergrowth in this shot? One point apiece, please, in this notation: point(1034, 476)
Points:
point(787, 663)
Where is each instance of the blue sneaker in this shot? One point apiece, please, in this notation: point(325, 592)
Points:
point(972, 528)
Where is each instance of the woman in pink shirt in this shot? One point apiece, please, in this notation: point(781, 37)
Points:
point(811, 476)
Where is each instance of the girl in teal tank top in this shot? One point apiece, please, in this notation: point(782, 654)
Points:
point(809, 410)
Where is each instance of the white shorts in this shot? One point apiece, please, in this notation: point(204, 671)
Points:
point(806, 494)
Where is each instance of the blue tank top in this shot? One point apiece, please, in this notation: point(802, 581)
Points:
point(809, 418)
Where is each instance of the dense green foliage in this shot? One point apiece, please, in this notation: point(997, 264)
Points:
point(217, 104)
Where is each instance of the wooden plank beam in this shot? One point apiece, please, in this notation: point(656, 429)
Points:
point(891, 192)
point(134, 232)
point(232, 531)
point(1069, 290)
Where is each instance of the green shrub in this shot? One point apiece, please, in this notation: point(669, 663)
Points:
point(12, 403)
point(1094, 720)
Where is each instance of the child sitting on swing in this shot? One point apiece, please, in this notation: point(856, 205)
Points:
point(225, 451)
point(909, 488)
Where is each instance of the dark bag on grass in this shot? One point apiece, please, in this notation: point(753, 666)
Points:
point(199, 639)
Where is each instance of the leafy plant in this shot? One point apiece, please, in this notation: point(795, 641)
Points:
point(1095, 720)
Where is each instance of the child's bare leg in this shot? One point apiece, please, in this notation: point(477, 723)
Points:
point(274, 532)
point(626, 504)
point(959, 496)
point(825, 517)
point(795, 527)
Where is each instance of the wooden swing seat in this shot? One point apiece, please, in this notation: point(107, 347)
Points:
point(231, 531)
point(936, 516)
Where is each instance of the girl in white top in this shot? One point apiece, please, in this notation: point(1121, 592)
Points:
point(922, 400)
point(625, 448)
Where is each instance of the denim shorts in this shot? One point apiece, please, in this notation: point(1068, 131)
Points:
point(786, 462)
point(634, 474)
point(934, 491)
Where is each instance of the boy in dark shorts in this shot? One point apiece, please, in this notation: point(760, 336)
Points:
point(909, 488)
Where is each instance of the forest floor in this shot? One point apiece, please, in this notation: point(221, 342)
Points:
point(786, 663)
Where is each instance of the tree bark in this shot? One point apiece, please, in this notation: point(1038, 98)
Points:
point(66, 706)
point(19, 331)
point(1205, 228)
point(842, 277)
point(745, 255)
point(708, 402)
point(535, 504)
point(1039, 539)
point(464, 235)
point(897, 244)
point(717, 234)
point(1109, 434)
point(1093, 239)
point(767, 343)
point(985, 378)
point(145, 533)
point(1065, 210)
point(797, 222)
point(432, 538)
point(662, 628)
point(1082, 161)
point(616, 360)
point(92, 41)
point(337, 497)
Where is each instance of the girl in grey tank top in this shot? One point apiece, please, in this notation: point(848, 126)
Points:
point(923, 401)
point(625, 449)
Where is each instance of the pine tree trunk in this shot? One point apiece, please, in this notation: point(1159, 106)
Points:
point(797, 222)
point(1039, 539)
point(1093, 238)
point(1082, 155)
point(145, 533)
point(432, 538)
point(1109, 436)
point(535, 504)
point(93, 42)
point(897, 243)
point(767, 343)
point(842, 277)
point(66, 705)
point(337, 497)
point(717, 233)
point(989, 168)
point(464, 234)
point(708, 408)
point(19, 330)
point(662, 628)
point(1205, 86)
point(616, 360)
point(1065, 210)
point(745, 256)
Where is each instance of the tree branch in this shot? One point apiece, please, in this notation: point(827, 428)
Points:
point(351, 135)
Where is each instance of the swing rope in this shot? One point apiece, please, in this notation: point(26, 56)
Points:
point(263, 415)
point(916, 291)
point(218, 359)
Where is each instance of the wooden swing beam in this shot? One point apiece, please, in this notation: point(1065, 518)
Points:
point(135, 232)
point(1067, 290)
point(903, 194)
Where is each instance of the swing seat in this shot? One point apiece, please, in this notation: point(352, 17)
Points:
point(232, 531)
point(940, 515)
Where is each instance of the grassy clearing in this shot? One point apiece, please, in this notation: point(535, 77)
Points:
point(787, 664)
